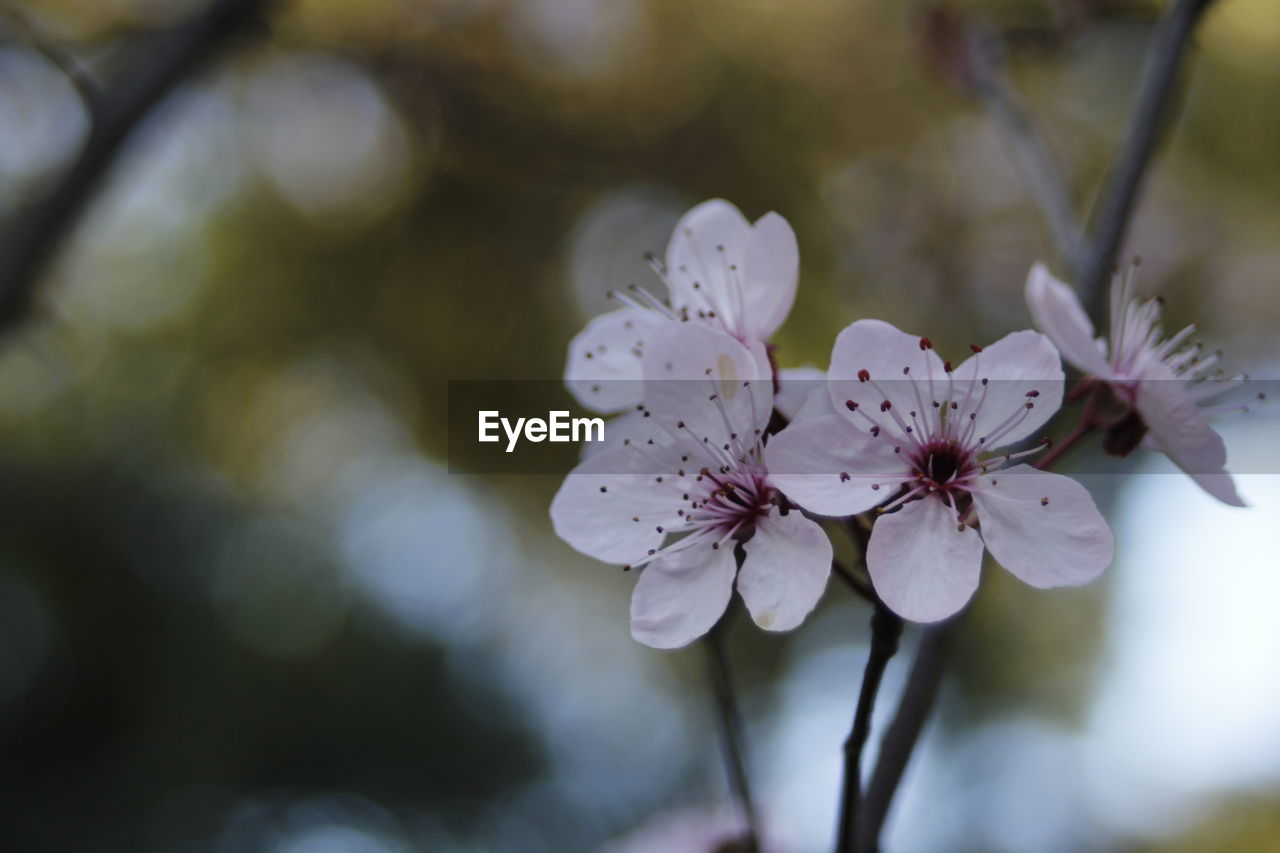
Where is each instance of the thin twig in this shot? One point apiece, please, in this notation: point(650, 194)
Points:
point(1031, 151)
point(857, 583)
point(36, 232)
point(1120, 189)
point(886, 630)
point(901, 737)
point(732, 738)
point(1088, 423)
point(75, 73)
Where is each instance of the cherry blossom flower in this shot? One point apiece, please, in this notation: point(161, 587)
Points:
point(918, 438)
point(1161, 380)
point(720, 270)
point(679, 502)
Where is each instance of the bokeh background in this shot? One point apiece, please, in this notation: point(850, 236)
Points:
point(249, 601)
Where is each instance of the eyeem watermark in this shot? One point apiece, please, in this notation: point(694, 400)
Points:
point(557, 427)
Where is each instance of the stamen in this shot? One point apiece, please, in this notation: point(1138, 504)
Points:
point(995, 463)
point(1006, 425)
point(899, 501)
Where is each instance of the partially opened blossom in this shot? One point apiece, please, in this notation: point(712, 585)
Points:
point(678, 503)
point(919, 439)
point(1161, 380)
point(721, 271)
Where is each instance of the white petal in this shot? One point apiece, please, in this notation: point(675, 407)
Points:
point(883, 352)
point(816, 405)
point(1220, 486)
point(709, 240)
point(764, 366)
point(1022, 369)
point(603, 524)
point(680, 597)
point(829, 467)
point(1056, 309)
point(630, 427)
point(921, 565)
point(785, 572)
point(1042, 527)
point(603, 371)
point(707, 380)
point(1178, 428)
point(795, 386)
point(769, 278)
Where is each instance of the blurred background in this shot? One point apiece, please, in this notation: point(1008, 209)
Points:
point(249, 599)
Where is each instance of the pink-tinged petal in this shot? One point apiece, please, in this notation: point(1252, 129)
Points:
point(763, 369)
point(709, 382)
point(1220, 486)
point(795, 386)
point(830, 467)
point(867, 367)
point(1042, 527)
point(785, 572)
point(1057, 311)
point(1177, 424)
point(1178, 428)
point(708, 242)
point(816, 405)
point(1023, 389)
point(922, 566)
point(769, 277)
point(681, 596)
point(630, 427)
point(603, 371)
point(612, 505)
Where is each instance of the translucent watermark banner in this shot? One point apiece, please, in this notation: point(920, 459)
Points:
point(941, 424)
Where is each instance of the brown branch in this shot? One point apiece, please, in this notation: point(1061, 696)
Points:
point(886, 630)
point(730, 725)
point(84, 84)
point(901, 737)
point(1031, 151)
point(35, 233)
point(1120, 189)
point(860, 585)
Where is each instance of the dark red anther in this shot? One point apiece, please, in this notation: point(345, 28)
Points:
point(864, 375)
point(1033, 393)
point(886, 406)
point(850, 405)
point(925, 343)
point(947, 367)
point(975, 347)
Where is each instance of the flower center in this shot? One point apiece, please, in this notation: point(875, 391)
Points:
point(940, 462)
point(733, 502)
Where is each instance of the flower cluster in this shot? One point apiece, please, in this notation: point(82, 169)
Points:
point(717, 478)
